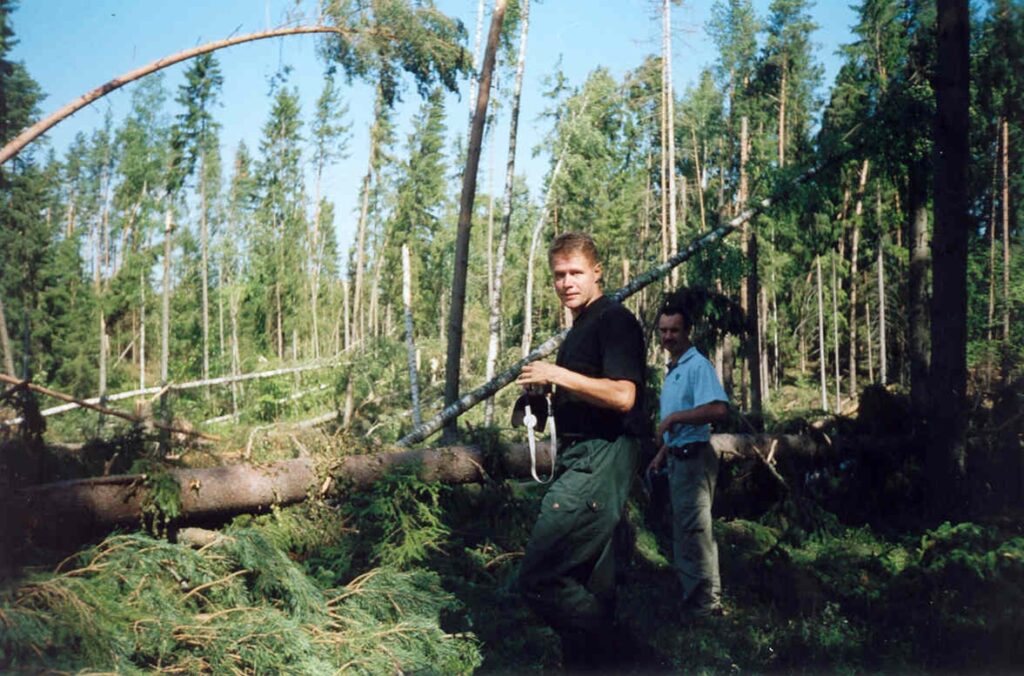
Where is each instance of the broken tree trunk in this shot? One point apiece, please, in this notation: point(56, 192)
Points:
point(69, 509)
point(39, 128)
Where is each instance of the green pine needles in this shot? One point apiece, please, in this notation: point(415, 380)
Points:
point(136, 604)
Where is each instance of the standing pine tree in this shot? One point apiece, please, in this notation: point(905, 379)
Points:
point(199, 143)
point(279, 227)
point(330, 136)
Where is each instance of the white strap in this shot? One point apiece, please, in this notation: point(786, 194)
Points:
point(530, 421)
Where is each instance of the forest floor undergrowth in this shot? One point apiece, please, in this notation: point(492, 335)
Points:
point(410, 576)
point(414, 577)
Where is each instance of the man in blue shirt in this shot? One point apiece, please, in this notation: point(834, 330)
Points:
point(691, 399)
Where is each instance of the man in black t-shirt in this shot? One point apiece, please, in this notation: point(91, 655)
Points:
point(567, 574)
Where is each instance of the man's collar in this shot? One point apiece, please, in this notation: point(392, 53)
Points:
point(586, 308)
point(686, 355)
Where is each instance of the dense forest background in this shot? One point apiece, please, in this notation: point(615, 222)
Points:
point(144, 264)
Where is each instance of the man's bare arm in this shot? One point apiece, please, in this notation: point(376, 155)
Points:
point(714, 411)
point(616, 395)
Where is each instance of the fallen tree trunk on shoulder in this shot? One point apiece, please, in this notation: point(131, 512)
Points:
point(65, 510)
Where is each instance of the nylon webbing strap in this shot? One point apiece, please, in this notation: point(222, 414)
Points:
point(530, 421)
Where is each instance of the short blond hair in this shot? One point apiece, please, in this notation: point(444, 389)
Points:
point(574, 242)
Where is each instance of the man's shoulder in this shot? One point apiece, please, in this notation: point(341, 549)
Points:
point(617, 312)
point(695, 360)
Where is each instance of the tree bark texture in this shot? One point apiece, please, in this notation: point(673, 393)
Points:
point(670, 131)
point(992, 228)
point(5, 341)
point(358, 324)
point(945, 461)
point(883, 374)
point(165, 314)
point(917, 297)
point(494, 320)
point(39, 128)
point(74, 509)
point(1006, 229)
point(454, 352)
point(858, 214)
point(821, 338)
point(410, 341)
point(835, 335)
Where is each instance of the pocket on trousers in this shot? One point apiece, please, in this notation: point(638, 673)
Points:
point(560, 503)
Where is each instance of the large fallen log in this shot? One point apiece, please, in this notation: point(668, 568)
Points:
point(57, 511)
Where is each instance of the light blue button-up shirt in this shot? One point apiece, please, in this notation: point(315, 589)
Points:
point(690, 382)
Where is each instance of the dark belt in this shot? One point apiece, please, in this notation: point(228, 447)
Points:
point(687, 451)
point(571, 439)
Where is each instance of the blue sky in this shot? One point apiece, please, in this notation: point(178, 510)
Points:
point(72, 46)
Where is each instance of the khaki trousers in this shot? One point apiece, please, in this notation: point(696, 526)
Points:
point(691, 484)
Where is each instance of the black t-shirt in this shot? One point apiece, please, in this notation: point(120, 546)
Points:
point(605, 341)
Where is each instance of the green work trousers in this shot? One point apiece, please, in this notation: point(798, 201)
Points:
point(568, 572)
point(691, 483)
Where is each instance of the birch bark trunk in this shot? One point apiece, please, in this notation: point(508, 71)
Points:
point(410, 340)
point(670, 129)
point(358, 316)
point(1006, 230)
point(854, 281)
point(822, 359)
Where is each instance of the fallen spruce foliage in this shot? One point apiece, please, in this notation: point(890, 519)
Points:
point(136, 604)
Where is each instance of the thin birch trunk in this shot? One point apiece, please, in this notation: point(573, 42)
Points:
point(204, 272)
point(314, 282)
point(490, 200)
point(474, 74)
point(663, 159)
point(142, 330)
point(233, 303)
point(358, 316)
point(295, 354)
point(165, 318)
point(374, 318)
point(410, 341)
point(1006, 230)
point(494, 321)
point(100, 263)
point(534, 242)
point(776, 364)
point(835, 334)
point(854, 281)
point(670, 126)
point(992, 227)
point(762, 343)
point(699, 180)
point(821, 338)
point(869, 339)
point(346, 308)
point(279, 311)
point(782, 112)
point(882, 360)
point(220, 317)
